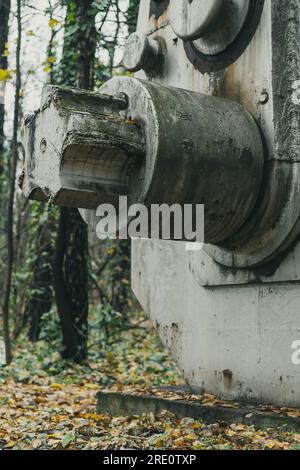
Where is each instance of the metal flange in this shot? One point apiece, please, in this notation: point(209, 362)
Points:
point(215, 32)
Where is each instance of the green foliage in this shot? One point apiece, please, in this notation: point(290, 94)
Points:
point(32, 274)
point(129, 354)
point(50, 330)
point(109, 322)
point(36, 223)
point(132, 14)
point(102, 73)
point(65, 72)
point(110, 272)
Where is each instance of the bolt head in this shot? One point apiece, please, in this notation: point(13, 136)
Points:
point(43, 145)
point(137, 52)
point(264, 97)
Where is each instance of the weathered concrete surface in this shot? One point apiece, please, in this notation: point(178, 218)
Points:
point(199, 150)
point(244, 320)
point(246, 330)
point(124, 404)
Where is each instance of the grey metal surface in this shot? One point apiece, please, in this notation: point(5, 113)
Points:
point(228, 36)
point(191, 20)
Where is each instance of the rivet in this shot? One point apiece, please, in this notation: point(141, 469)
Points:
point(43, 145)
point(264, 97)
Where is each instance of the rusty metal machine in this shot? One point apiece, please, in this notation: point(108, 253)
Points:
point(211, 116)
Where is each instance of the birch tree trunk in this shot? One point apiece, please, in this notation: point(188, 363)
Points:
point(10, 210)
point(4, 18)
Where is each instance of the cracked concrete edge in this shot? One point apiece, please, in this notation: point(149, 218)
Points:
point(124, 404)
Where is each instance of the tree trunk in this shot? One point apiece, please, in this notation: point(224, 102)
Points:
point(4, 18)
point(40, 299)
point(132, 15)
point(120, 271)
point(10, 211)
point(64, 305)
point(71, 260)
point(42, 269)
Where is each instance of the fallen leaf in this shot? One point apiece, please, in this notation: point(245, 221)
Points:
point(67, 439)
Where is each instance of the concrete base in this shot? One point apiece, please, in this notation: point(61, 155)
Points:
point(231, 341)
point(125, 404)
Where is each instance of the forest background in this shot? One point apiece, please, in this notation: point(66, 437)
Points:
point(69, 324)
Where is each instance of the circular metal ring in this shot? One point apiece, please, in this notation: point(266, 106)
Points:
point(212, 63)
point(190, 19)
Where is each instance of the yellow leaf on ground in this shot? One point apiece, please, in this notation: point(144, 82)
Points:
point(10, 444)
point(41, 400)
point(190, 437)
point(273, 444)
point(175, 433)
point(181, 442)
point(56, 386)
point(91, 386)
point(197, 426)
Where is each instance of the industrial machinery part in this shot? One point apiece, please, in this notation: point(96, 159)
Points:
point(125, 139)
point(152, 143)
point(213, 25)
point(215, 32)
point(223, 34)
point(212, 116)
point(142, 52)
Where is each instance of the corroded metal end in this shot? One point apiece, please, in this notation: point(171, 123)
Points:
point(142, 52)
point(78, 149)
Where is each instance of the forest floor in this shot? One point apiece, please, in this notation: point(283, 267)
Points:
point(49, 403)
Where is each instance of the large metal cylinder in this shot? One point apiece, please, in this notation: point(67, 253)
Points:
point(155, 144)
point(199, 150)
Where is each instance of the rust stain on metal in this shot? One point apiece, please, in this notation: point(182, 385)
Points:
point(160, 21)
point(227, 376)
point(158, 9)
point(229, 86)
